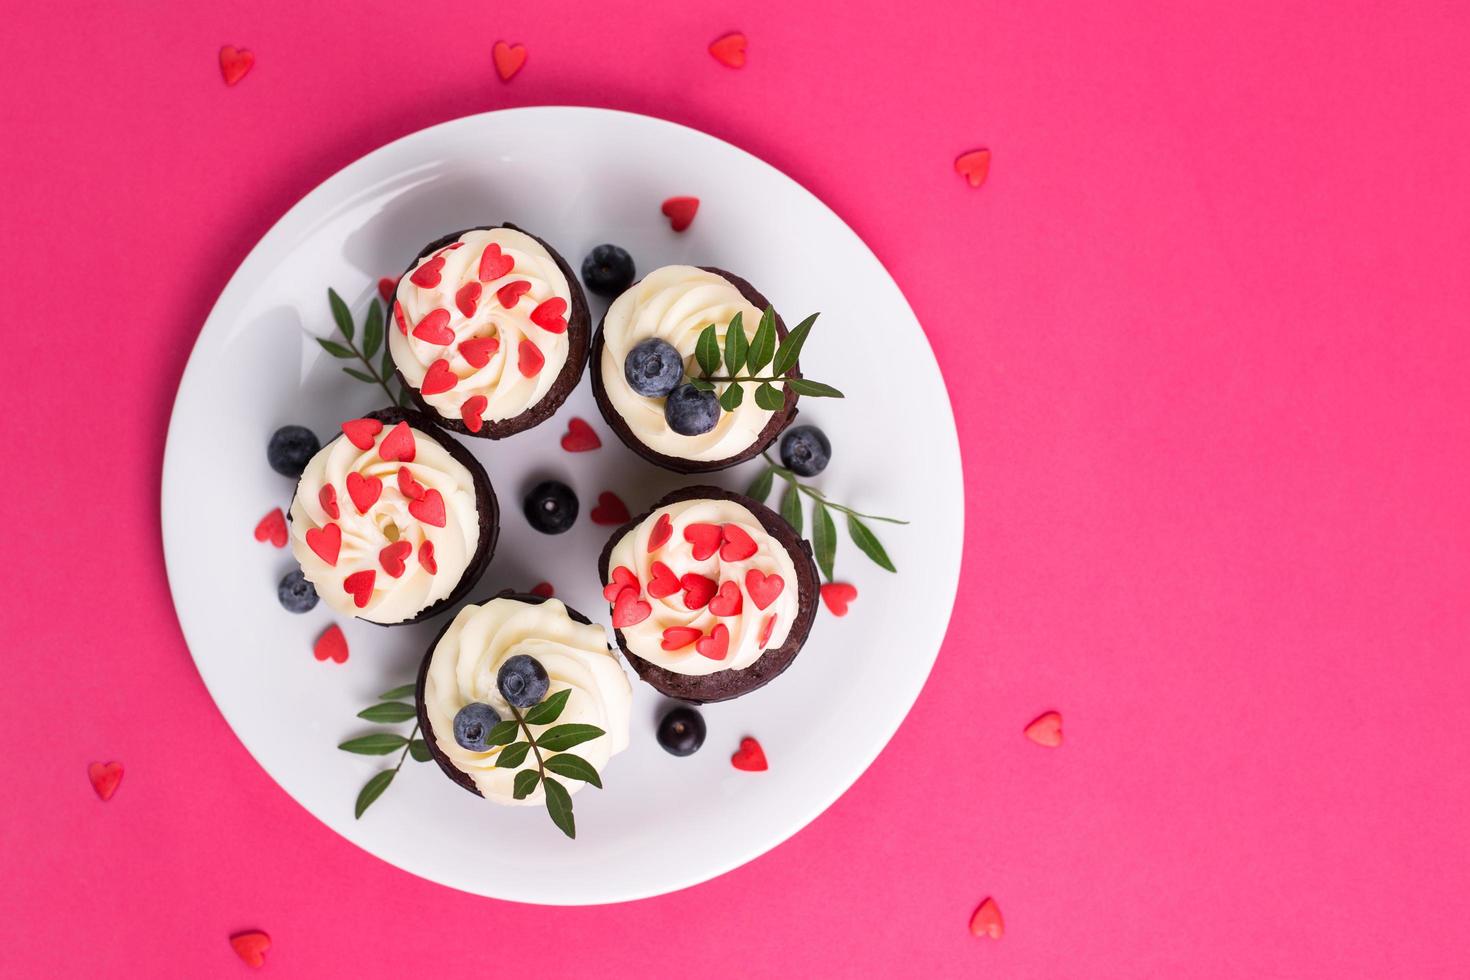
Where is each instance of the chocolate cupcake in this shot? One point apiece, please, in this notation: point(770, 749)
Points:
point(675, 304)
point(460, 679)
point(712, 594)
point(490, 331)
point(392, 521)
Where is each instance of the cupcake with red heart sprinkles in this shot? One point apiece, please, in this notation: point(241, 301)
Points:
point(392, 521)
point(712, 594)
point(490, 331)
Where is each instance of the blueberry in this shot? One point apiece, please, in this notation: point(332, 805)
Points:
point(805, 451)
point(551, 507)
point(522, 681)
point(608, 270)
point(291, 448)
point(472, 726)
point(681, 731)
point(296, 593)
point(653, 367)
point(691, 412)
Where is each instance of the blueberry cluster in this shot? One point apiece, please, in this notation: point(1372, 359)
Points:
point(523, 683)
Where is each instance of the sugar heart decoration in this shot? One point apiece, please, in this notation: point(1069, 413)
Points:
point(836, 596)
point(439, 378)
point(763, 588)
point(398, 446)
point(662, 583)
point(434, 328)
point(394, 558)
point(478, 350)
point(400, 319)
point(359, 585)
point(987, 921)
point(1046, 729)
point(362, 432)
point(704, 537)
point(622, 578)
point(387, 288)
point(494, 263)
point(468, 298)
point(327, 497)
point(766, 629)
point(429, 509)
point(973, 166)
point(750, 757)
point(510, 294)
point(426, 557)
point(728, 601)
point(629, 610)
point(509, 59)
point(680, 211)
point(716, 645)
point(544, 590)
point(698, 590)
point(235, 63)
point(550, 316)
point(663, 529)
point(679, 637)
point(738, 545)
point(251, 947)
point(364, 490)
point(610, 509)
point(529, 359)
point(105, 777)
point(326, 541)
point(473, 412)
point(272, 528)
point(408, 486)
point(427, 275)
point(580, 437)
point(729, 50)
point(331, 645)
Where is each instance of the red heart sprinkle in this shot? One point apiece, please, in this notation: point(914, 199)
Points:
point(387, 288)
point(407, 485)
point(473, 412)
point(679, 637)
point(430, 509)
point(680, 211)
point(426, 557)
point(251, 947)
point(1046, 729)
point(750, 757)
point(763, 588)
point(364, 491)
point(738, 544)
point(629, 610)
point(434, 328)
point(663, 583)
point(663, 529)
point(837, 595)
point(326, 541)
point(729, 50)
point(622, 578)
point(478, 350)
point(698, 590)
point(766, 628)
point(398, 445)
point(467, 297)
point(548, 315)
point(399, 318)
point(544, 590)
point(360, 586)
point(530, 359)
point(717, 644)
point(439, 378)
point(105, 777)
point(973, 166)
point(332, 645)
point(704, 537)
point(362, 432)
point(508, 59)
point(327, 497)
point(272, 528)
point(235, 63)
point(394, 557)
point(728, 601)
point(580, 437)
point(494, 263)
point(510, 294)
point(609, 510)
point(987, 921)
point(427, 276)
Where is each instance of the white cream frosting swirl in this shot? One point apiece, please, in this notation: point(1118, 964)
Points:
point(507, 390)
point(466, 661)
point(388, 520)
point(675, 303)
point(646, 639)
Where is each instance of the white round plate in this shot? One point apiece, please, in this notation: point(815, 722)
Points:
point(576, 177)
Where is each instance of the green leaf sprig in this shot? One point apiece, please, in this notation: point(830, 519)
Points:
point(372, 339)
point(752, 355)
point(390, 710)
point(824, 529)
point(556, 739)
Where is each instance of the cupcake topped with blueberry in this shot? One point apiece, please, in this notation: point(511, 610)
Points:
point(490, 331)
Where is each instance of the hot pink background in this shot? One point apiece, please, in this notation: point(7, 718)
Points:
point(1205, 330)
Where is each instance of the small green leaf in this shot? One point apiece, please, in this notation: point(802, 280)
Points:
point(559, 805)
point(824, 537)
point(736, 345)
point(388, 713)
point(372, 331)
point(707, 351)
point(768, 397)
point(791, 506)
point(371, 790)
point(565, 736)
point(760, 487)
point(812, 389)
point(380, 743)
point(763, 344)
point(398, 693)
point(868, 543)
point(701, 384)
point(525, 783)
point(512, 755)
point(385, 368)
point(790, 348)
point(733, 395)
point(574, 767)
point(419, 749)
point(549, 710)
point(340, 313)
point(360, 376)
point(335, 349)
point(503, 733)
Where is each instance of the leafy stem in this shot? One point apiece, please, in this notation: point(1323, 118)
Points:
point(372, 339)
point(521, 720)
point(816, 494)
point(391, 709)
point(754, 353)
